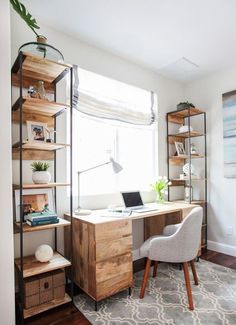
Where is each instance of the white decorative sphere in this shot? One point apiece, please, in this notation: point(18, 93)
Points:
point(44, 253)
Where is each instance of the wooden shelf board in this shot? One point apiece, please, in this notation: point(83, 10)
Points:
point(27, 228)
point(193, 201)
point(186, 157)
point(186, 112)
point(191, 134)
point(38, 68)
point(49, 185)
point(32, 267)
point(183, 180)
point(38, 145)
point(46, 306)
point(39, 106)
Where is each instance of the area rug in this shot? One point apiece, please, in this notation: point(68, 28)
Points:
point(166, 302)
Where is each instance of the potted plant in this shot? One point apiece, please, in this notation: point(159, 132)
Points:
point(160, 187)
point(41, 174)
point(183, 105)
point(28, 19)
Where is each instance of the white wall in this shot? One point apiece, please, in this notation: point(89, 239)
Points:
point(7, 299)
point(207, 94)
point(90, 58)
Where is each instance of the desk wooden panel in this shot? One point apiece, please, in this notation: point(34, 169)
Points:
point(102, 247)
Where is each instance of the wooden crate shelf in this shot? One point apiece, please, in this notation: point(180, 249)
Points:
point(37, 68)
point(38, 145)
point(192, 134)
point(180, 160)
point(187, 179)
point(49, 185)
point(46, 306)
point(32, 267)
point(27, 228)
point(193, 201)
point(39, 106)
point(178, 116)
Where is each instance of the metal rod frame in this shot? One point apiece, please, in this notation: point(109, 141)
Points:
point(21, 295)
point(188, 117)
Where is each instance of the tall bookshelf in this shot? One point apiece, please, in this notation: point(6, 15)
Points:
point(28, 70)
point(189, 117)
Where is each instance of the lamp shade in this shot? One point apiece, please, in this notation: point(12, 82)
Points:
point(116, 166)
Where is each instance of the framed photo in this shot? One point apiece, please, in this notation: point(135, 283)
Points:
point(34, 200)
point(36, 131)
point(180, 149)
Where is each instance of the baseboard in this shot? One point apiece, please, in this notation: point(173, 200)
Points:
point(136, 255)
point(221, 248)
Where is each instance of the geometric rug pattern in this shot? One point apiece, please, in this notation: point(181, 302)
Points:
point(165, 301)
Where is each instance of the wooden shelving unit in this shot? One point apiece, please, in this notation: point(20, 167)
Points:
point(27, 71)
point(47, 306)
point(49, 185)
point(39, 145)
point(39, 106)
point(27, 228)
point(184, 117)
point(32, 267)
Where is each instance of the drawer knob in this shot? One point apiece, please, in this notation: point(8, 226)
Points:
point(46, 285)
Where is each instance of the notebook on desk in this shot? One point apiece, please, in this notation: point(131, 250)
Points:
point(134, 202)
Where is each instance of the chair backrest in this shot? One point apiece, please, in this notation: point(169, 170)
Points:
point(188, 236)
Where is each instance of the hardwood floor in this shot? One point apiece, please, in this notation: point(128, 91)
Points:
point(68, 314)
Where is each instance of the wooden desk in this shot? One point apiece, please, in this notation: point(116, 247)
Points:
point(102, 247)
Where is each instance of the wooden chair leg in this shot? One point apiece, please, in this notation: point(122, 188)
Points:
point(155, 269)
point(188, 286)
point(194, 272)
point(145, 278)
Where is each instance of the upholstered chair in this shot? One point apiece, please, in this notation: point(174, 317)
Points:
point(178, 244)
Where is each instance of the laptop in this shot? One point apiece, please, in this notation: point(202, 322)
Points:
point(133, 202)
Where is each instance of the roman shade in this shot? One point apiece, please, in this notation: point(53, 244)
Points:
point(104, 105)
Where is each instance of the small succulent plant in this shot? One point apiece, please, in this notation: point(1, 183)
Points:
point(39, 166)
point(186, 103)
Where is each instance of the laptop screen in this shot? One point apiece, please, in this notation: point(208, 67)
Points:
point(132, 199)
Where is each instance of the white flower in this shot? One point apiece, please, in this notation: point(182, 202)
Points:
point(159, 178)
point(165, 178)
point(170, 183)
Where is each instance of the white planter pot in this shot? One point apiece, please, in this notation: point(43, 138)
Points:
point(42, 177)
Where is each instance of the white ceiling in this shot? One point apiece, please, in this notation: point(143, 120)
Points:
point(166, 36)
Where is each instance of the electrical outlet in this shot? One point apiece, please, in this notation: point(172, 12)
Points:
point(230, 231)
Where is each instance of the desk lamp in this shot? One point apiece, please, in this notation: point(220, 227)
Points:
point(116, 169)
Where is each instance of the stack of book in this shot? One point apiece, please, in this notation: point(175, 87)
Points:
point(41, 219)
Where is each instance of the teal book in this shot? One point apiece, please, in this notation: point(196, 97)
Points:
point(42, 222)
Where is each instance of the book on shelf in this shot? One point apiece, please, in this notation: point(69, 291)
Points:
point(42, 218)
point(42, 222)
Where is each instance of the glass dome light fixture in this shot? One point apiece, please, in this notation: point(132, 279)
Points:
point(42, 50)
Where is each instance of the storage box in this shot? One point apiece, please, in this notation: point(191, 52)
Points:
point(44, 288)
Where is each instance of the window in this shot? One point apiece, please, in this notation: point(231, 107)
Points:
point(96, 139)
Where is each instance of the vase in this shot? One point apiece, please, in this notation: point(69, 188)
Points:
point(41, 90)
point(41, 177)
point(160, 197)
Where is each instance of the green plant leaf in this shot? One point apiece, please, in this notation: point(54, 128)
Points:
point(27, 17)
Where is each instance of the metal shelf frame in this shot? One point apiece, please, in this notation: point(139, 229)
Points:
point(187, 121)
point(19, 61)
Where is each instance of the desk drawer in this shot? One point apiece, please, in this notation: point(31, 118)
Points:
point(110, 231)
point(108, 249)
point(113, 275)
point(116, 284)
point(111, 267)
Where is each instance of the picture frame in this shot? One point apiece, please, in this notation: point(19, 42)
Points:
point(36, 131)
point(179, 146)
point(33, 200)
